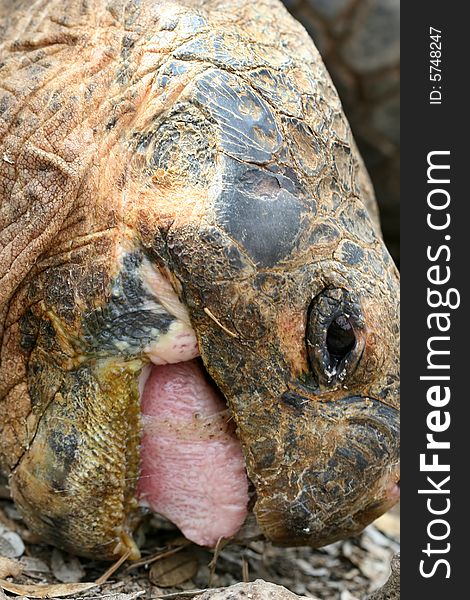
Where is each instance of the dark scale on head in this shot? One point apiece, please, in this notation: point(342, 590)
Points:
point(192, 23)
point(289, 179)
point(270, 285)
point(247, 128)
point(175, 68)
point(249, 210)
point(350, 253)
point(343, 165)
point(373, 260)
point(131, 319)
point(356, 221)
point(229, 260)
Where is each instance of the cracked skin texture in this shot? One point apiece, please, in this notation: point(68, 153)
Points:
point(207, 139)
point(359, 41)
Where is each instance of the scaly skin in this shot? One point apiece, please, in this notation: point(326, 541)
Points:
point(359, 40)
point(205, 141)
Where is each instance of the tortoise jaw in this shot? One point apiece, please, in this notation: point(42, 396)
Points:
point(320, 530)
point(333, 480)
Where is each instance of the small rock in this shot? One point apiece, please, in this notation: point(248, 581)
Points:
point(34, 565)
point(345, 595)
point(66, 569)
point(11, 545)
point(258, 590)
point(391, 590)
point(12, 513)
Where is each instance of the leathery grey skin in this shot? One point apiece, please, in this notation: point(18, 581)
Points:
point(205, 141)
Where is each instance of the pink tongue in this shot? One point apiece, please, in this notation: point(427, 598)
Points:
point(192, 466)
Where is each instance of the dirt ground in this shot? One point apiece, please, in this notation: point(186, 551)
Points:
point(172, 568)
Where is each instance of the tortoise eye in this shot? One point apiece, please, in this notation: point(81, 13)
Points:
point(340, 337)
point(335, 336)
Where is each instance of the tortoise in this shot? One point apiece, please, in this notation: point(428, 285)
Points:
point(199, 317)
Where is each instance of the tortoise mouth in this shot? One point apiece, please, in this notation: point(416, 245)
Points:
point(192, 469)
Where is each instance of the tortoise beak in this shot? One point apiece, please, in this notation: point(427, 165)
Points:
point(334, 480)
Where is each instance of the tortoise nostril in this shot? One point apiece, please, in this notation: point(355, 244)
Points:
point(340, 337)
point(335, 336)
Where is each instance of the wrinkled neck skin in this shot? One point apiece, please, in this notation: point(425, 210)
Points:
point(201, 145)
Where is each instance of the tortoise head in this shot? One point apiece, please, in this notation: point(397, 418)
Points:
point(211, 202)
point(295, 303)
point(295, 307)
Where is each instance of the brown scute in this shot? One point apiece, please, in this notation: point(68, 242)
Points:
point(207, 138)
